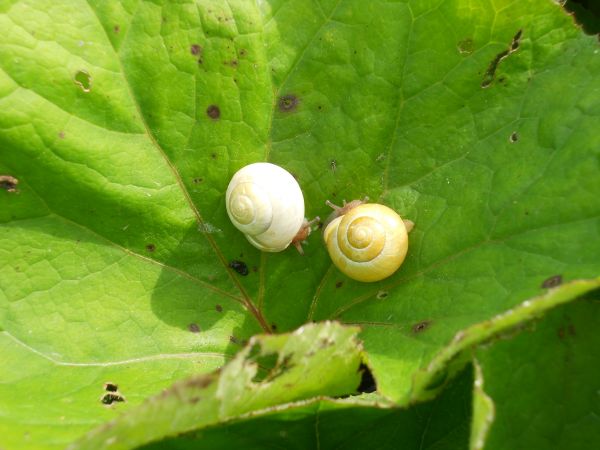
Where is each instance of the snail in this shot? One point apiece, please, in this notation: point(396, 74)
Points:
point(265, 202)
point(366, 241)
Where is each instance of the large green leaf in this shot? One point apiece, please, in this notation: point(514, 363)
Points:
point(123, 121)
point(544, 384)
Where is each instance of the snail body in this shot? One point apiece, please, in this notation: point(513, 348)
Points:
point(367, 242)
point(265, 202)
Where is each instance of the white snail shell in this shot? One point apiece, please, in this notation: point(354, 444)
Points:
point(265, 203)
point(367, 243)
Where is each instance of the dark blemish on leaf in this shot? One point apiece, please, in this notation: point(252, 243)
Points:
point(84, 80)
point(288, 103)
point(110, 387)
point(274, 327)
point(421, 326)
point(194, 328)
point(195, 49)
point(213, 112)
point(514, 137)
point(339, 284)
point(319, 107)
point(326, 342)
point(151, 247)
point(194, 400)
point(9, 183)
point(465, 46)
point(112, 397)
point(198, 180)
point(233, 63)
point(116, 29)
point(490, 73)
point(333, 194)
point(553, 281)
point(239, 266)
point(213, 155)
point(61, 134)
point(526, 213)
point(333, 165)
point(233, 340)
point(242, 53)
point(200, 382)
point(382, 294)
point(219, 308)
point(367, 381)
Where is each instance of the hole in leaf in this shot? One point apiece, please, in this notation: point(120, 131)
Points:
point(9, 183)
point(514, 137)
point(490, 73)
point(110, 387)
point(112, 397)
point(382, 294)
point(84, 80)
point(367, 381)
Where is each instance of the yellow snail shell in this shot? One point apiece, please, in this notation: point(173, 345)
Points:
point(265, 203)
point(367, 243)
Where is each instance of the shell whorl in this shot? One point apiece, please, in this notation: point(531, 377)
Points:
point(368, 243)
point(265, 203)
point(250, 208)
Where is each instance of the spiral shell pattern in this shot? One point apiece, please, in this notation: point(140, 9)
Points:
point(265, 203)
point(369, 243)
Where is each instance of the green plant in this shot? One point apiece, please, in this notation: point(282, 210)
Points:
point(131, 309)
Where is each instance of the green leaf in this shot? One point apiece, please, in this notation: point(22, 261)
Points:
point(293, 365)
point(123, 122)
point(544, 383)
point(440, 424)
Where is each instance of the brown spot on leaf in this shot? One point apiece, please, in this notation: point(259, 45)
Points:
point(553, 281)
point(195, 49)
point(421, 326)
point(239, 266)
point(116, 29)
point(9, 183)
point(198, 180)
point(213, 112)
point(151, 247)
point(199, 382)
point(219, 308)
point(194, 328)
point(339, 284)
point(288, 103)
point(61, 134)
point(233, 340)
